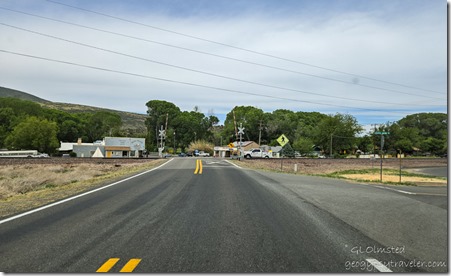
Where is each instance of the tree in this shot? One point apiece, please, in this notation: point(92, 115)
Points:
point(250, 118)
point(158, 111)
point(34, 133)
point(101, 124)
point(338, 131)
point(303, 145)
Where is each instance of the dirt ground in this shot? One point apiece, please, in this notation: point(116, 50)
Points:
point(328, 166)
point(29, 183)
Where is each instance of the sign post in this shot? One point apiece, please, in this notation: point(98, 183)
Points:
point(282, 140)
point(382, 133)
point(162, 136)
point(241, 132)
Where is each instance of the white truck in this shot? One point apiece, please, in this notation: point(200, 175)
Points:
point(257, 153)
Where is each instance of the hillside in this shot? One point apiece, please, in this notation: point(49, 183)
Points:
point(134, 122)
point(11, 93)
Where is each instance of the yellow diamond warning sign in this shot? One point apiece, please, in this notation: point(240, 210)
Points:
point(283, 140)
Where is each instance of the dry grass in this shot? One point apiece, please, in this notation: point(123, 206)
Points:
point(375, 177)
point(25, 186)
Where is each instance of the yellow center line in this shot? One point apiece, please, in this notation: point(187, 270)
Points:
point(108, 265)
point(131, 265)
point(198, 169)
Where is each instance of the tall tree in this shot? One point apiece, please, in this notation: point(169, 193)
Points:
point(34, 133)
point(250, 118)
point(337, 133)
point(158, 111)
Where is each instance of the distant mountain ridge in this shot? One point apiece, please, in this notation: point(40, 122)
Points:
point(133, 122)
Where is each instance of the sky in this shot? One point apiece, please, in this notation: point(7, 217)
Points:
point(377, 60)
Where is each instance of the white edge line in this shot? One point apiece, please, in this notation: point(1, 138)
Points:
point(396, 190)
point(378, 265)
point(233, 164)
point(80, 195)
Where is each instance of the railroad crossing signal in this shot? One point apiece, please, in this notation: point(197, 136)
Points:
point(241, 130)
point(283, 140)
point(162, 133)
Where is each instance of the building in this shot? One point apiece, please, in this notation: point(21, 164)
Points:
point(109, 147)
point(228, 151)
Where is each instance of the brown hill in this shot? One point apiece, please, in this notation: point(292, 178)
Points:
point(133, 122)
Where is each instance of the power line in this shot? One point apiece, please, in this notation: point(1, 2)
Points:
point(201, 72)
point(220, 56)
point(192, 84)
point(240, 48)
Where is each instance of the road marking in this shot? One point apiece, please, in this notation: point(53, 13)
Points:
point(108, 265)
point(198, 167)
point(128, 267)
point(131, 265)
point(378, 265)
point(80, 195)
point(405, 192)
point(233, 164)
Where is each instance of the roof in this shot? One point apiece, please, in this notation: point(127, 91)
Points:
point(243, 143)
point(117, 148)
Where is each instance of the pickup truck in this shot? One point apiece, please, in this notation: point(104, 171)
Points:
point(203, 154)
point(257, 153)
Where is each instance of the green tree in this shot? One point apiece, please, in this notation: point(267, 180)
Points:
point(34, 133)
point(250, 118)
point(158, 111)
point(303, 145)
point(101, 124)
point(338, 131)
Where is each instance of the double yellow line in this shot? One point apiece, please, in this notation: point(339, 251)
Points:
point(129, 266)
point(198, 169)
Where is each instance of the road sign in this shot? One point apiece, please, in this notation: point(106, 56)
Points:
point(241, 130)
point(382, 132)
point(283, 140)
point(231, 145)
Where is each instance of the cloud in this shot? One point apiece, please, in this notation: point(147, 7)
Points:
point(369, 42)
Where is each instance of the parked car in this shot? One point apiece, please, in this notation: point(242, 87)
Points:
point(182, 154)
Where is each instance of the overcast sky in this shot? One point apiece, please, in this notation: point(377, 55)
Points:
point(378, 60)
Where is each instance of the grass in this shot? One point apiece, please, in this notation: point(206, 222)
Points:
point(24, 187)
point(358, 173)
point(388, 176)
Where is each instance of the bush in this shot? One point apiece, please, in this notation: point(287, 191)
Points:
point(201, 145)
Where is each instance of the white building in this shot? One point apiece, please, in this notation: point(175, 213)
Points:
point(109, 147)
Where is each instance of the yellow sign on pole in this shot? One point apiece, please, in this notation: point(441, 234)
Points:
point(283, 140)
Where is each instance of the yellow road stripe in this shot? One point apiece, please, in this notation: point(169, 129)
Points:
point(197, 167)
point(200, 165)
point(131, 265)
point(108, 265)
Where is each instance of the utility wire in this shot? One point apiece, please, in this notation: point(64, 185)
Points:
point(193, 84)
point(240, 48)
point(219, 56)
point(203, 72)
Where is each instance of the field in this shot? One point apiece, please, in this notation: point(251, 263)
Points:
point(28, 183)
point(357, 169)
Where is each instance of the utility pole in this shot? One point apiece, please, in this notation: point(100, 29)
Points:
point(234, 122)
point(331, 135)
point(260, 134)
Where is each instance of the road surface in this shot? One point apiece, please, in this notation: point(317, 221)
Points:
point(193, 215)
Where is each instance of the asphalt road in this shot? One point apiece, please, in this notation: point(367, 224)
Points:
point(210, 216)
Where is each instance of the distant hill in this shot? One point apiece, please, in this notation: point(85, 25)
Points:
point(133, 122)
point(11, 93)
